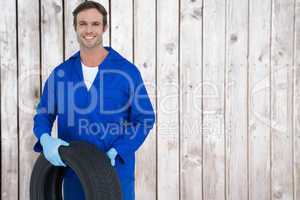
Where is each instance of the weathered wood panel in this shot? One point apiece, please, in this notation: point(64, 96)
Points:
point(144, 58)
point(167, 93)
point(51, 39)
point(71, 44)
point(9, 113)
point(29, 87)
point(259, 99)
point(296, 107)
point(236, 86)
point(281, 100)
point(213, 100)
point(122, 27)
point(190, 100)
point(51, 35)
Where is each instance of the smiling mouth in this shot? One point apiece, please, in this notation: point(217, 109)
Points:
point(89, 37)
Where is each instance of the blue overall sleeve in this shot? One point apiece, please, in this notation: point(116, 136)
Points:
point(46, 111)
point(141, 120)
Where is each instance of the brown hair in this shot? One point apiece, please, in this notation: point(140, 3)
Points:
point(88, 5)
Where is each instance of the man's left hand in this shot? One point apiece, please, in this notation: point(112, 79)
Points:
point(112, 153)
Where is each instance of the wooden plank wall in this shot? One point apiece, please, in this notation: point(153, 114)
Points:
point(223, 77)
point(259, 101)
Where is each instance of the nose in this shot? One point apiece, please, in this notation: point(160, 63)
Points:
point(89, 29)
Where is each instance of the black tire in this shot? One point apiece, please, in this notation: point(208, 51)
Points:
point(98, 178)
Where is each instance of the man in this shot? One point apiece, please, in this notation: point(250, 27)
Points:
point(97, 96)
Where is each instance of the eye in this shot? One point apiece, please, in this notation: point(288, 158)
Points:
point(96, 24)
point(82, 23)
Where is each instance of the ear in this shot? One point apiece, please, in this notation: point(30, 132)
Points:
point(105, 28)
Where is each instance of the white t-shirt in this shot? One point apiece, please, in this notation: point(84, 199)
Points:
point(89, 75)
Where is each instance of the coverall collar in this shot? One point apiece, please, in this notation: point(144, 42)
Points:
point(111, 56)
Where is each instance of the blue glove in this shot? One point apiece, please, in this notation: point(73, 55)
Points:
point(112, 153)
point(50, 149)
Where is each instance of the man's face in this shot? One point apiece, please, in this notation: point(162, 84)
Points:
point(89, 28)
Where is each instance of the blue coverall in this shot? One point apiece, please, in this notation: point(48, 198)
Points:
point(115, 112)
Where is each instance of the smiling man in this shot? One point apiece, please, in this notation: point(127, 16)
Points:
point(97, 96)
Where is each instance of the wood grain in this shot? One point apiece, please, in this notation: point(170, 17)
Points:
point(296, 106)
point(259, 99)
point(144, 58)
point(71, 44)
point(236, 86)
point(282, 100)
point(190, 100)
point(29, 87)
point(9, 113)
point(214, 100)
point(122, 27)
point(168, 100)
point(51, 40)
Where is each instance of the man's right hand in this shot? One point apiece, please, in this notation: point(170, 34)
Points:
point(50, 149)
